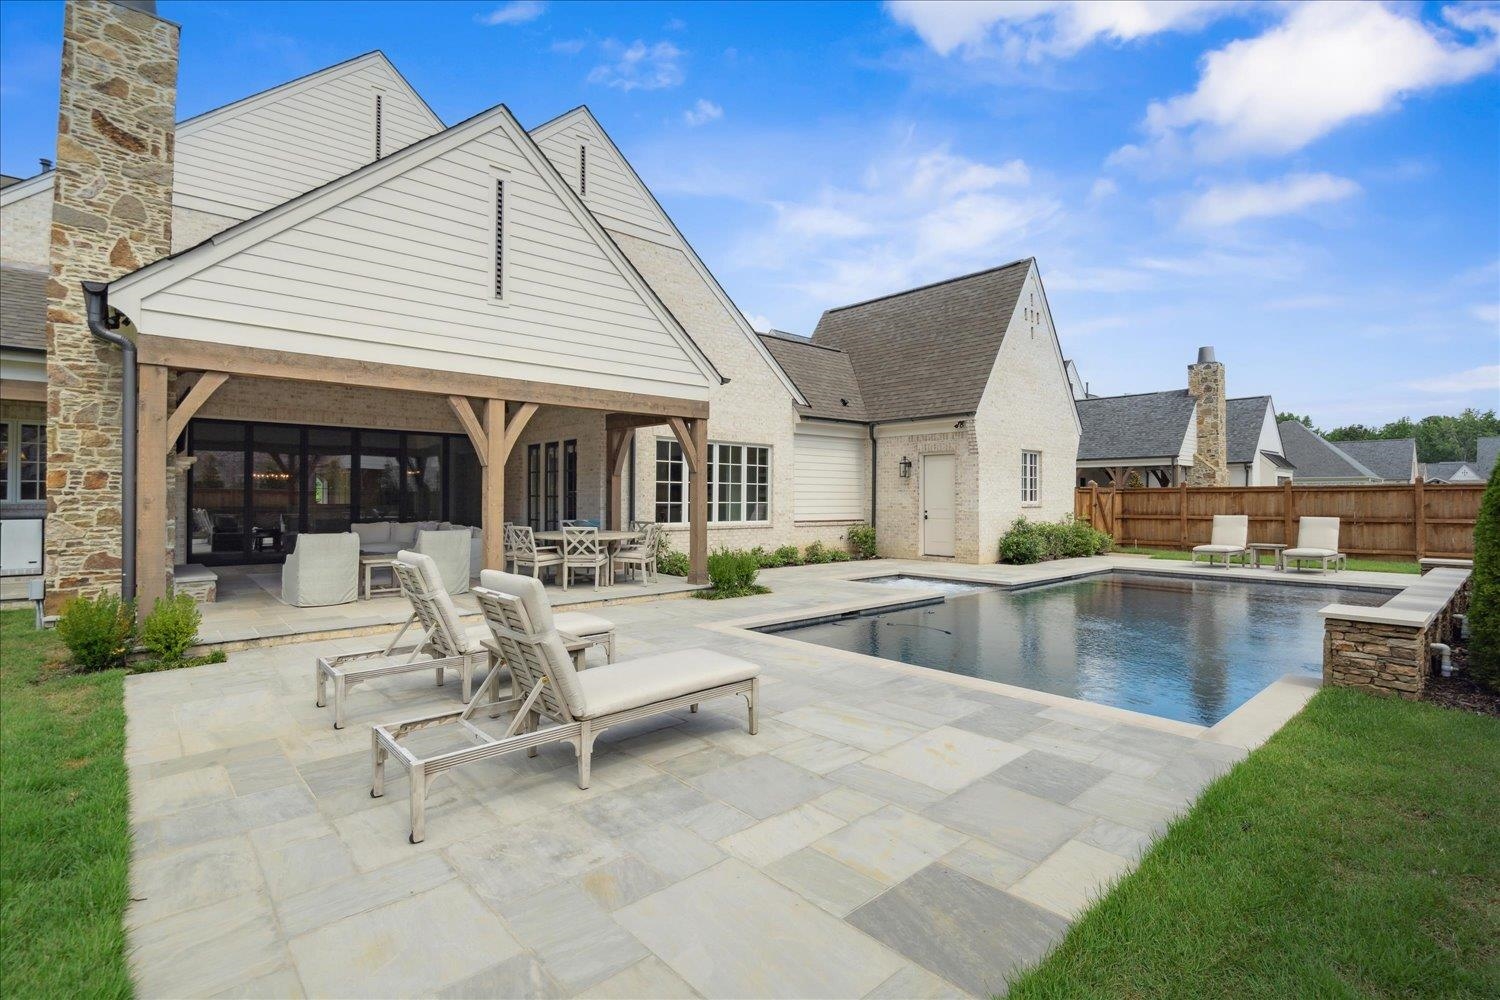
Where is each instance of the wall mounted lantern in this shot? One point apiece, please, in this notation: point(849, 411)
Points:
point(905, 467)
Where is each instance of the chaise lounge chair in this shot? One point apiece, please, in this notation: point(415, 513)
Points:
point(1230, 535)
point(547, 684)
point(445, 644)
point(1317, 541)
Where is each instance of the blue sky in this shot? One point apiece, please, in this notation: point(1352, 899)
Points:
point(1314, 189)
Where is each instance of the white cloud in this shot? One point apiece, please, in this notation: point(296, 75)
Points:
point(1475, 379)
point(702, 112)
point(1038, 29)
point(570, 46)
point(1227, 204)
point(518, 12)
point(758, 322)
point(910, 217)
point(1324, 65)
point(639, 66)
point(1103, 188)
point(1487, 313)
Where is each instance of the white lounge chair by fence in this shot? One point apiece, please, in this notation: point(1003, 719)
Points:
point(1231, 534)
point(1317, 541)
point(547, 685)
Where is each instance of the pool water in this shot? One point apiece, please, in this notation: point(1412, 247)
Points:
point(1192, 650)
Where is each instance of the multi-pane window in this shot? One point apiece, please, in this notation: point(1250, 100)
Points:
point(534, 486)
point(549, 489)
point(739, 483)
point(1031, 477)
point(551, 484)
point(23, 461)
point(570, 480)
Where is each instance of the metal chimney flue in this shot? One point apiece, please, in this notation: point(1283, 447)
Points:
point(1206, 356)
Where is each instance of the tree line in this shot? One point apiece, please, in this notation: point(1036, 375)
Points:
point(1439, 438)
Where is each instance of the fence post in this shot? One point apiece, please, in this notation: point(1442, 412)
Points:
point(1182, 529)
point(1419, 512)
point(1094, 506)
point(1287, 520)
point(1116, 515)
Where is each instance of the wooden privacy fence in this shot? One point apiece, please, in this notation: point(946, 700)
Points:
point(1397, 520)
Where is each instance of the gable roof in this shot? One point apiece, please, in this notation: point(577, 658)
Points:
point(1317, 458)
point(582, 114)
point(23, 309)
point(824, 375)
point(1245, 417)
point(1447, 472)
point(927, 351)
point(1392, 459)
point(131, 289)
point(1141, 425)
point(1486, 453)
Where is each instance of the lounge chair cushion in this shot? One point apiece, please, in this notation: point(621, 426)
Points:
point(1317, 533)
point(432, 582)
point(1231, 531)
point(1227, 550)
point(372, 532)
point(582, 623)
point(650, 679)
point(533, 598)
point(1308, 553)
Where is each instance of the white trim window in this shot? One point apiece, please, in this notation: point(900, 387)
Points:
point(739, 483)
point(23, 460)
point(1031, 477)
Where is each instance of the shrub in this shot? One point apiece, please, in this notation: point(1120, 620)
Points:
point(768, 560)
point(170, 628)
point(862, 538)
point(1484, 601)
point(838, 555)
point(670, 561)
point(1023, 543)
point(732, 573)
point(788, 555)
point(99, 632)
point(816, 553)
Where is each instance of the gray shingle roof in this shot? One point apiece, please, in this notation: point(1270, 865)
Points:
point(929, 351)
point(1488, 452)
point(1444, 472)
point(1245, 417)
point(822, 374)
point(23, 308)
point(1143, 425)
point(1392, 459)
point(1316, 458)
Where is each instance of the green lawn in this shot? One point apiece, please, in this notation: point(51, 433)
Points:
point(1356, 854)
point(1369, 565)
point(64, 827)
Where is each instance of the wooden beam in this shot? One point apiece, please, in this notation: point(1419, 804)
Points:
point(698, 503)
point(260, 362)
point(616, 450)
point(21, 389)
point(151, 488)
point(684, 434)
point(191, 404)
point(630, 421)
point(516, 426)
point(464, 411)
point(492, 501)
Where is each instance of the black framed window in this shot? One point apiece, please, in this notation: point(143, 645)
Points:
point(570, 480)
point(550, 486)
point(329, 489)
point(534, 486)
point(422, 477)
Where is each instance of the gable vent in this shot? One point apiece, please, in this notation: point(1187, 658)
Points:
point(583, 171)
point(499, 239)
point(378, 124)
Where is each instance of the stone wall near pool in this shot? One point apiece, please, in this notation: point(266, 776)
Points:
point(1388, 650)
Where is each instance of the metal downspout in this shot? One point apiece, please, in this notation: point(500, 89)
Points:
point(873, 475)
point(95, 295)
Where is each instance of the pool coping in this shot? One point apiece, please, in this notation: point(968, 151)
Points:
point(1248, 726)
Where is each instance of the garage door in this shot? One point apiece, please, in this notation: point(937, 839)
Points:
point(830, 474)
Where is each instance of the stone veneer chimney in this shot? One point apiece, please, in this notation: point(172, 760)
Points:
point(1206, 385)
point(111, 213)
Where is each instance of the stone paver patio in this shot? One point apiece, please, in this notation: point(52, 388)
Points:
point(891, 832)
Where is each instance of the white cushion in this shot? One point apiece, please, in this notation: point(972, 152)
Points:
point(1231, 530)
point(650, 679)
point(372, 531)
point(322, 570)
point(428, 526)
point(404, 534)
point(1219, 549)
point(1308, 553)
point(581, 623)
point(450, 550)
point(432, 580)
point(1318, 533)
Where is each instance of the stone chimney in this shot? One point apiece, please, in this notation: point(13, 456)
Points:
point(1206, 385)
point(111, 213)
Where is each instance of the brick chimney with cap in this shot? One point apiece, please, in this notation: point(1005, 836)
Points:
point(1206, 385)
point(111, 213)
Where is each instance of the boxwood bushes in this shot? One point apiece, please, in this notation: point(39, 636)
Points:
point(1038, 541)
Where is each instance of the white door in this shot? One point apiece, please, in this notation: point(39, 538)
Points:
point(938, 514)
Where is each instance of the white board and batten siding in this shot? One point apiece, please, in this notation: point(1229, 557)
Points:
point(396, 265)
point(252, 155)
point(831, 472)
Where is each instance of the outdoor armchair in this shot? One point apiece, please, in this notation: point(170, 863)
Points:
point(1317, 541)
point(322, 570)
point(1230, 536)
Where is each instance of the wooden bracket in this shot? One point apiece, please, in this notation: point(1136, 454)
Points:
point(191, 404)
point(516, 426)
point(464, 411)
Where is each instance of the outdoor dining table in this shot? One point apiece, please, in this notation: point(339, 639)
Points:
point(608, 537)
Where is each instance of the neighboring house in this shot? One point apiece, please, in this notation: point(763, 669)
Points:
point(955, 394)
point(1323, 462)
point(1076, 383)
point(1450, 472)
point(352, 312)
point(1193, 435)
point(1486, 453)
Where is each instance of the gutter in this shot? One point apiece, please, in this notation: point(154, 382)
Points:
point(874, 476)
point(96, 299)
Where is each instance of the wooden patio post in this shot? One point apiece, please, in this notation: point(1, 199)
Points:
point(698, 498)
point(492, 503)
point(616, 447)
point(1182, 525)
point(151, 488)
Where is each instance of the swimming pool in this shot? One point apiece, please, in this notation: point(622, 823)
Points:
point(1187, 649)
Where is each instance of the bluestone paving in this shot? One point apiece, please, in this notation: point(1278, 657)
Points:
point(891, 831)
